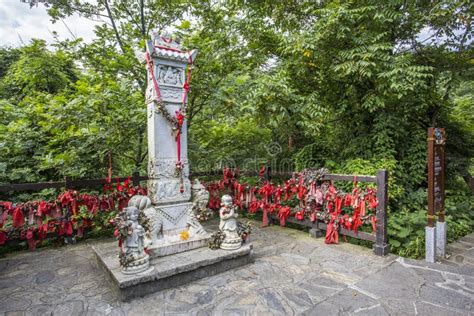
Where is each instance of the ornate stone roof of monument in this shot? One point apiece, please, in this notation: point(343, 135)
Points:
point(167, 48)
point(173, 54)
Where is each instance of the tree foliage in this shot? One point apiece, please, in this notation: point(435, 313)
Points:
point(351, 85)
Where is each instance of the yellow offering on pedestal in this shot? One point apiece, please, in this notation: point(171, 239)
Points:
point(184, 235)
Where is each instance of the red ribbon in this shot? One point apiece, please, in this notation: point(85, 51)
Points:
point(188, 78)
point(283, 215)
point(152, 73)
point(3, 238)
point(18, 218)
point(373, 221)
point(299, 215)
point(332, 236)
point(180, 120)
point(265, 208)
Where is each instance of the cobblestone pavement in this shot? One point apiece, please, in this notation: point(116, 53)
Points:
point(292, 274)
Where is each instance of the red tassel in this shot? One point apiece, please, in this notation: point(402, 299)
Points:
point(332, 236)
point(283, 214)
point(338, 205)
point(42, 231)
point(69, 228)
point(373, 220)
point(265, 217)
point(30, 240)
point(3, 238)
point(254, 206)
point(362, 208)
point(347, 200)
point(42, 209)
point(122, 203)
point(18, 218)
point(300, 215)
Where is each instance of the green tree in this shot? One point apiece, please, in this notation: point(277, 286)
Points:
point(57, 121)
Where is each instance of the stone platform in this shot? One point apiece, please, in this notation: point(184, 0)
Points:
point(170, 271)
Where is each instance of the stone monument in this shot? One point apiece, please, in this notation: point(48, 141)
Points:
point(169, 187)
point(168, 216)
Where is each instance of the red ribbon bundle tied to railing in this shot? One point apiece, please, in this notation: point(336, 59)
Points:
point(303, 198)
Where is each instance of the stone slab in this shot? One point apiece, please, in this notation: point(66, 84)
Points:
point(166, 249)
point(170, 271)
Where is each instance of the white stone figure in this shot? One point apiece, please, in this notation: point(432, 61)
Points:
point(228, 224)
point(152, 223)
point(134, 258)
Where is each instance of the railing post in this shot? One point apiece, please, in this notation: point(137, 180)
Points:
point(68, 183)
point(268, 171)
point(381, 247)
point(136, 178)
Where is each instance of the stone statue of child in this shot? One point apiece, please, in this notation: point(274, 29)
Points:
point(134, 243)
point(229, 224)
point(134, 259)
point(152, 224)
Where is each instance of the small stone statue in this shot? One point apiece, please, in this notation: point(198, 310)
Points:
point(133, 257)
point(148, 218)
point(229, 224)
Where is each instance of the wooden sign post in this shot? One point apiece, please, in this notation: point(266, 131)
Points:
point(436, 236)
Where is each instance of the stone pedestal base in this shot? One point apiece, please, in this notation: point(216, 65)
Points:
point(138, 266)
point(231, 243)
point(441, 230)
point(169, 271)
point(430, 240)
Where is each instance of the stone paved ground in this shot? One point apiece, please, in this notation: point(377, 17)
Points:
point(292, 274)
point(461, 252)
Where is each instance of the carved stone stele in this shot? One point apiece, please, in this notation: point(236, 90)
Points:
point(167, 211)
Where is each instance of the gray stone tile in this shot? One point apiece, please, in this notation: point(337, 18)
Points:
point(348, 302)
point(395, 282)
point(428, 308)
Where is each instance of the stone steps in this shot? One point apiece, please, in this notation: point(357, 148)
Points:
point(461, 252)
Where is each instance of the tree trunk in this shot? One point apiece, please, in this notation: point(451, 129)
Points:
point(467, 178)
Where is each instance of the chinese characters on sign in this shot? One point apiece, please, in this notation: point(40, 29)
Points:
point(436, 164)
